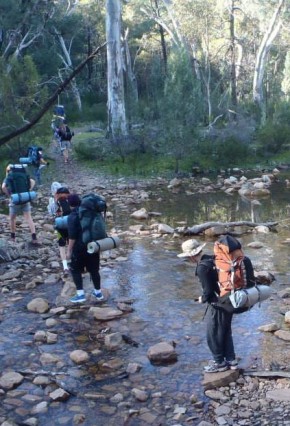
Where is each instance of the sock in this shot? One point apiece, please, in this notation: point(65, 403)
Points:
point(97, 292)
point(64, 263)
point(80, 292)
point(34, 237)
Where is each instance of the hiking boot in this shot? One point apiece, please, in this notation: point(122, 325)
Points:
point(98, 295)
point(215, 367)
point(233, 364)
point(65, 273)
point(78, 299)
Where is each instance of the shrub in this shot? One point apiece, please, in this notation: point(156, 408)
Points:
point(272, 137)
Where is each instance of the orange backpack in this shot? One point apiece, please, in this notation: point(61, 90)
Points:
point(229, 261)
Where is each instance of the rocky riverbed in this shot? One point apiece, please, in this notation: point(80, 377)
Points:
point(93, 364)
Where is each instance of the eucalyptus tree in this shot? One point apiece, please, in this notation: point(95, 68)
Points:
point(272, 30)
point(117, 123)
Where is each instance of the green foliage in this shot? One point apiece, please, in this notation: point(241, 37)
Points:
point(272, 137)
point(281, 114)
point(227, 153)
point(90, 113)
point(21, 96)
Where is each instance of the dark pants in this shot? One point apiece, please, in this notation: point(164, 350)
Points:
point(89, 262)
point(219, 334)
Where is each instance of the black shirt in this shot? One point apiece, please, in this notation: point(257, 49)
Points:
point(208, 277)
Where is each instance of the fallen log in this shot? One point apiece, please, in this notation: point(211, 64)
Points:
point(269, 374)
point(198, 229)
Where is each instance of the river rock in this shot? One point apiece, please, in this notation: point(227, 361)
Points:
point(46, 359)
point(174, 183)
point(59, 395)
point(279, 395)
point(162, 353)
point(10, 380)
point(162, 228)
point(255, 244)
point(262, 229)
point(283, 334)
point(79, 356)
point(113, 341)
point(269, 327)
point(38, 305)
point(140, 214)
point(216, 380)
point(105, 314)
point(40, 408)
point(40, 336)
point(285, 293)
point(133, 367)
point(51, 338)
point(140, 395)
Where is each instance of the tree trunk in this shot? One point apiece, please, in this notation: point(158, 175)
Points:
point(261, 60)
point(162, 39)
point(233, 56)
point(117, 125)
point(66, 59)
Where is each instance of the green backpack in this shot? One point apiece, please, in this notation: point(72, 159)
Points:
point(18, 181)
point(92, 215)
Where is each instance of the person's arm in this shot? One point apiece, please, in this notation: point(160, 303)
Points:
point(72, 233)
point(5, 188)
point(70, 247)
point(32, 184)
point(42, 161)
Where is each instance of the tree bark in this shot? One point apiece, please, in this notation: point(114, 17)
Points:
point(233, 55)
point(67, 62)
point(261, 60)
point(117, 124)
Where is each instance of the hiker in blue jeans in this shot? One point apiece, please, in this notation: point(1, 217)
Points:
point(219, 321)
point(80, 259)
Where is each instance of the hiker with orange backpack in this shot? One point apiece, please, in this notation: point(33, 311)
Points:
point(219, 312)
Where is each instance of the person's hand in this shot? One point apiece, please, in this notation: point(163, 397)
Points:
point(200, 299)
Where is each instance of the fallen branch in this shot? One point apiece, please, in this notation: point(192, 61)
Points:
point(43, 373)
point(198, 229)
point(270, 374)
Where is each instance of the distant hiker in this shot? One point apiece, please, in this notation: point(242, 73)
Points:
point(17, 181)
point(35, 153)
point(219, 312)
point(59, 207)
point(65, 135)
point(80, 259)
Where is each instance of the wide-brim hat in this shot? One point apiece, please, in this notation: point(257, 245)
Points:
point(191, 248)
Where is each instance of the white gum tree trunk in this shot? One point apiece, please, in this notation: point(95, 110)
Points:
point(262, 55)
point(117, 124)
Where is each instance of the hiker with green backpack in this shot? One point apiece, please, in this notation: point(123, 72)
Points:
point(18, 186)
point(85, 223)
